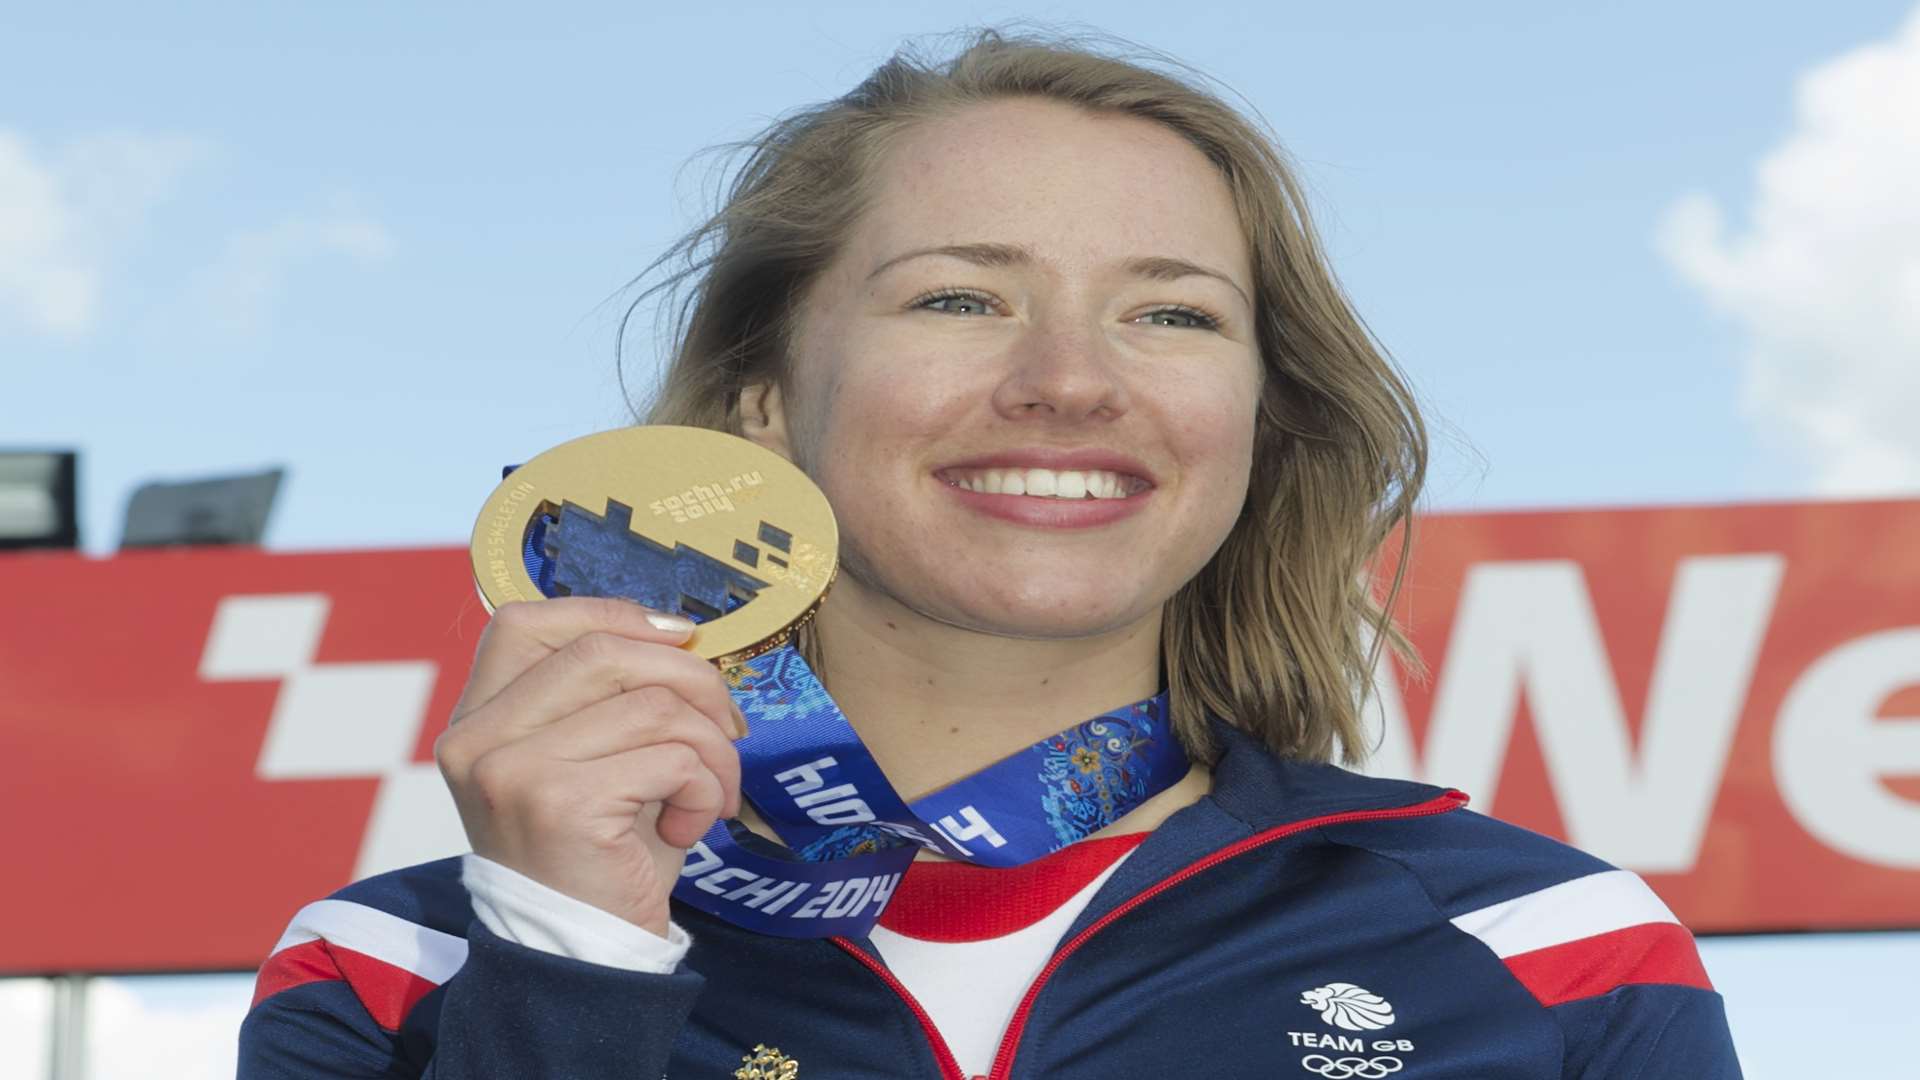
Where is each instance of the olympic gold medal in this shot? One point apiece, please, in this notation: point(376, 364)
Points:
point(686, 520)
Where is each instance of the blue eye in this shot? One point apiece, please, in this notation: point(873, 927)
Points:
point(1183, 317)
point(955, 302)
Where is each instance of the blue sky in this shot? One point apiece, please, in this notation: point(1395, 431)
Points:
point(378, 244)
point(1629, 253)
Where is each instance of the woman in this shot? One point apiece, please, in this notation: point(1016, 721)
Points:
point(1053, 334)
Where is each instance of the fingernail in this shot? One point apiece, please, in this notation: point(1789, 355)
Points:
point(672, 624)
point(739, 722)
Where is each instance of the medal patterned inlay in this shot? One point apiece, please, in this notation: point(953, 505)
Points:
point(685, 520)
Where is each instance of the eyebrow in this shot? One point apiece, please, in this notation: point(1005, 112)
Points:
point(1154, 267)
point(1167, 268)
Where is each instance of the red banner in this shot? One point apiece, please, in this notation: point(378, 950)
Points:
point(195, 743)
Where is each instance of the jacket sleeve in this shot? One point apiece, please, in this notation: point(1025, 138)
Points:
point(508, 1011)
point(1648, 1032)
point(1592, 944)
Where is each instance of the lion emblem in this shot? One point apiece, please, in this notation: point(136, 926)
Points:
point(1354, 1008)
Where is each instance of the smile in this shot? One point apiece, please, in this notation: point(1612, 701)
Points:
point(1046, 483)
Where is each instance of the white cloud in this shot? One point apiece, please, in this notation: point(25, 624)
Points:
point(64, 214)
point(1825, 276)
point(238, 293)
point(68, 212)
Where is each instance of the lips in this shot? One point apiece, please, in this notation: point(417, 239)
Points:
point(1093, 467)
point(1048, 483)
point(1050, 488)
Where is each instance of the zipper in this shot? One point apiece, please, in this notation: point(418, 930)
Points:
point(1010, 1042)
point(949, 1067)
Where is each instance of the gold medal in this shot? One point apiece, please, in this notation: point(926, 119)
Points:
point(687, 520)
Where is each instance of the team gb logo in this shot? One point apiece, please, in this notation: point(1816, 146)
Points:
point(1351, 1007)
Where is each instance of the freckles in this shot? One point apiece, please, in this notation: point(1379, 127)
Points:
point(1201, 427)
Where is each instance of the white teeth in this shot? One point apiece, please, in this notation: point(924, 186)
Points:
point(1044, 483)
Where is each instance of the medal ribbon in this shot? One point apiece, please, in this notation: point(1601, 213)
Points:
point(849, 834)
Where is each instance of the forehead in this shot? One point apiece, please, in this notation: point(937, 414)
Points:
point(1073, 184)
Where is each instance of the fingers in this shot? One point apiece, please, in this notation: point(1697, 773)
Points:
point(591, 749)
point(669, 781)
point(648, 717)
point(542, 802)
point(596, 667)
point(522, 634)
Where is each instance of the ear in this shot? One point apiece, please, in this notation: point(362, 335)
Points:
point(763, 417)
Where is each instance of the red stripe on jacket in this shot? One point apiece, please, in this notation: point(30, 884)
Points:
point(1591, 966)
point(388, 993)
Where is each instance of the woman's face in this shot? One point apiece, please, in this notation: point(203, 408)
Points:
point(1028, 382)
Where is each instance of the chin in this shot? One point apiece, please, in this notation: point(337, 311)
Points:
point(1047, 614)
point(1050, 602)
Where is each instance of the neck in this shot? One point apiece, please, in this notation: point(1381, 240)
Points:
point(935, 703)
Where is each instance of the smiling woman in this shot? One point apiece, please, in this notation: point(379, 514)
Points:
point(1098, 213)
point(1052, 333)
point(1019, 334)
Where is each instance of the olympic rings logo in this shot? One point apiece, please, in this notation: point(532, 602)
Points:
point(1348, 1068)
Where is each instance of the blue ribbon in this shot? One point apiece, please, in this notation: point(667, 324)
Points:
point(849, 835)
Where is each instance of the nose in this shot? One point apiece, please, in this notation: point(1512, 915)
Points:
point(1061, 373)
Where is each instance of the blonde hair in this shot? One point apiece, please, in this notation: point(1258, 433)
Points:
point(1279, 634)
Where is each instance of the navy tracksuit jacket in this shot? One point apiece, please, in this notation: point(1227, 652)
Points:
point(1301, 921)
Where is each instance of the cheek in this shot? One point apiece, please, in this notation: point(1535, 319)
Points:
point(862, 432)
point(863, 448)
point(1211, 426)
point(874, 406)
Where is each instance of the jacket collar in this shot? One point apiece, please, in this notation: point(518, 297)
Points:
point(1262, 791)
point(1253, 792)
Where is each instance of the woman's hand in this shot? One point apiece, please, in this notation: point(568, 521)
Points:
point(589, 751)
